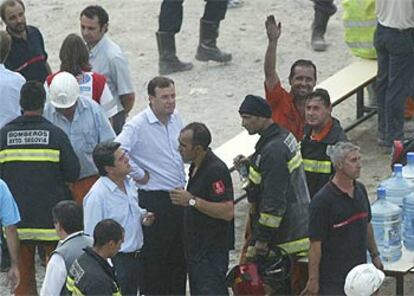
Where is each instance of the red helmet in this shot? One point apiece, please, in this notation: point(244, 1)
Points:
point(271, 270)
point(245, 279)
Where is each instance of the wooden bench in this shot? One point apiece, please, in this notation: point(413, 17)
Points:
point(352, 80)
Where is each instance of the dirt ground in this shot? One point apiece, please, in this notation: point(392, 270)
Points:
point(211, 93)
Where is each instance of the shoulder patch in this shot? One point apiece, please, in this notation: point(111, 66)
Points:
point(291, 143)
point(218, 187)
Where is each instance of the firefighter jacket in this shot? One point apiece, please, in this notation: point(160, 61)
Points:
point(360, 22)
point(277, 188)
point(36, 160)
point(91, 274)
point(318, 166)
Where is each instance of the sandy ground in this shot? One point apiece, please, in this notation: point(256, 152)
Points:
point(211, 93)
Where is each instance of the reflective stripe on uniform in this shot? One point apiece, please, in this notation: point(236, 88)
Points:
point(70, 285)
point(366, 45)
point(297, 246)
point(268, 220)
point(317, 166)
point(254, 176)
point(359, 24)
point(294, 247)
point(8, 155)
point(37, 234)
point(295, 161)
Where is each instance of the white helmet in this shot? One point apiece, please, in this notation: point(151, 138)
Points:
point(363, 280)
point(64, 90)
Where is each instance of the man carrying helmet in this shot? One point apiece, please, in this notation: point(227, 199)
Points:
point(85, 123)
point(276, 190)
point(36, 162)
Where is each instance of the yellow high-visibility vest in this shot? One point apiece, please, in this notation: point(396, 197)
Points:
point(360, 22)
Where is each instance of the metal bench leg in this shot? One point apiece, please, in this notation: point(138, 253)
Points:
point(360, 103)
point(399, 284)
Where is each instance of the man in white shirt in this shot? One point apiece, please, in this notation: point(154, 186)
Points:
point(108, 59)
point(114, 196)
point(68, 220)
point(151, 140)
point(10, 84)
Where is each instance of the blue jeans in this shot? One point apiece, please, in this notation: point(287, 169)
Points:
point(207, 276)
point(395, 51)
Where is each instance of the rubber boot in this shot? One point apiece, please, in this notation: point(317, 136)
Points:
point(207, 49)
point(168, 60)
point(318, 31)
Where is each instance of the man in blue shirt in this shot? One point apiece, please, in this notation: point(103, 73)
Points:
point(85, 123)
point(151, 140)
point(114, 196)
point(9, 217)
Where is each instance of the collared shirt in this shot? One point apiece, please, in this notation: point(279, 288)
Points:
point(9, 213)
point(107, 58)
point(10, 85)
point(153, 147)
point(88, 128)
point(28, 56)
point(106, 201)
point(56, 273)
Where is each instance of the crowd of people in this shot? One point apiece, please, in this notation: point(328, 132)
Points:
point(108, 203)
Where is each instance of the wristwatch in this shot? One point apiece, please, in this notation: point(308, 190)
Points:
point(192, 202)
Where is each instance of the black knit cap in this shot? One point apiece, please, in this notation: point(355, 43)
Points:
point(255, 105)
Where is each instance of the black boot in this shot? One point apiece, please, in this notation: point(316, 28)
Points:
point(207, 49)
point(318, 31)
point(168, 61)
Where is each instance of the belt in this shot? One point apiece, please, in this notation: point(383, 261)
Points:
point(134, 254)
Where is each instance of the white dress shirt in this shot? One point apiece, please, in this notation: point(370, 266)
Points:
point(106, 201)
point(153, 147)
point(10, 85)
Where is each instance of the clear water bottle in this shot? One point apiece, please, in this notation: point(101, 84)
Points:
point(397, 187)
point(408, 169)
point(408, 224)
point(386, 221)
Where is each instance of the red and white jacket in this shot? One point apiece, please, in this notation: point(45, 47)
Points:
point(92, 85)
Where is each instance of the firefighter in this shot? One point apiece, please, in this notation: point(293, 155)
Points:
point(36, 162)
point(277, 189)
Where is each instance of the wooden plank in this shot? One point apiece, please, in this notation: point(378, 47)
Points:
point(345, 83)
point(243, 144)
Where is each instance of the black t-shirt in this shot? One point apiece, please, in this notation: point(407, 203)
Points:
point(28, 57)
point(212, 182)
point(340, 223)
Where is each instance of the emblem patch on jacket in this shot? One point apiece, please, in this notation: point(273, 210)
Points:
point(219, 188)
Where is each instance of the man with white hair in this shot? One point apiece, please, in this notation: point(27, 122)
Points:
point(340, 227)
point(85, 123)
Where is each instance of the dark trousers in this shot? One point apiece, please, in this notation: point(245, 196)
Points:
point(328, 288)
point(208, 275)
point(326, 6)
point(164, 269)
point(128, 272)
point(171, 14)
point(395, 51)
point(118, 121)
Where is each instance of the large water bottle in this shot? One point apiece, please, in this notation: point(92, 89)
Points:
point(386, 221)
point(408, 224)
point(397, 187)
point(408, 169)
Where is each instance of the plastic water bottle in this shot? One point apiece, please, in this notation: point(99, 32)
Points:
point(408, 224)
point(386, 221)
point(408, 169)
point(397, 187)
